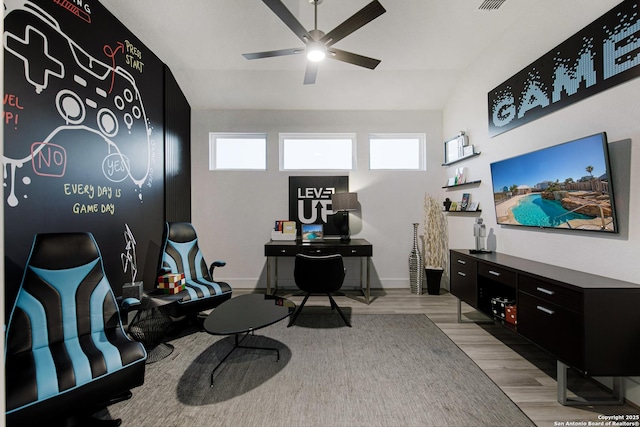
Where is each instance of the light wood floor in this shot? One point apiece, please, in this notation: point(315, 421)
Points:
point(525, 373)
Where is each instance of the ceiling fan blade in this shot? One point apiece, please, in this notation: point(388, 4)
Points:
point(353, 58)
point(272, 53)
point(310, 73)
point(287, 17)
point(359, 19)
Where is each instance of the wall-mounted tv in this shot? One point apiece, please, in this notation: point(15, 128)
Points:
point(565, 186)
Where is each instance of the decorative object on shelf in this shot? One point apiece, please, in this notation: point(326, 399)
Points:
point(479, 232)
point(460, 176)
point(446, 204)
point(416, 278)
point(473, 206)
point(344, 202)
point(453, 206)
point(464, 204)
point(457, 148)
point(435, 244)
point(132, 289)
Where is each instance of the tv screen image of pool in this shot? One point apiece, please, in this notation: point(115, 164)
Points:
point(565, 186)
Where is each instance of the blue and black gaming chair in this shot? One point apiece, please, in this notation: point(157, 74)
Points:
point(67, 355)
point(181, 254)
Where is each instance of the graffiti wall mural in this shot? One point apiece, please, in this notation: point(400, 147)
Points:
point(83, 133)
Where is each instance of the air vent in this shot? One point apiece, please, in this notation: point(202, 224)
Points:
point(491, 4)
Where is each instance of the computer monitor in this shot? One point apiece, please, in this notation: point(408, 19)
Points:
point(312, 233)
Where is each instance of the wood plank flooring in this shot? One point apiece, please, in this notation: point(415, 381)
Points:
point(525, 373)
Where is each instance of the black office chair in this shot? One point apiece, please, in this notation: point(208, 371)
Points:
point(181, 254)
point(319, 275)
point(67, 355)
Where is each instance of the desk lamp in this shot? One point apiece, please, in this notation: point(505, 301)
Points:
point(344, 202)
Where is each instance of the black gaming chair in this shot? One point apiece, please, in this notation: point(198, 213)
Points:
point(181, 254)
point(67, 355)
point(319, 275)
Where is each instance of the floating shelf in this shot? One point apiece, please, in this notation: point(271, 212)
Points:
point(461, 159)
point(463, 184)
point(462, 212)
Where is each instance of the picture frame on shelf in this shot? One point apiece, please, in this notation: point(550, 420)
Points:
point(473, 206)
point(452, 150)
point(464, 204)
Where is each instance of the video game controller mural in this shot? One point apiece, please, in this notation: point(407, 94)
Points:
point(83, 131)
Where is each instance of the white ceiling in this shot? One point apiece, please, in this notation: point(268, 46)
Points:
point(423, 44)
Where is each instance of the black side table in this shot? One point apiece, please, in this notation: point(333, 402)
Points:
point(151, 323)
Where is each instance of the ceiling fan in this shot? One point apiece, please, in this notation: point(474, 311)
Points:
point(319, 45)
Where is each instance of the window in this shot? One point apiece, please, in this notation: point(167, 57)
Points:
point(317, 151)
point(397, 152)
point(237, 151)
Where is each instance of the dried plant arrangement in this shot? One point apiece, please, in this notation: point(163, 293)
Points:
point(435, 234)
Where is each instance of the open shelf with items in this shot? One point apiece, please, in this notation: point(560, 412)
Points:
point(463, 184)
point(459, 159)
point(463, 212)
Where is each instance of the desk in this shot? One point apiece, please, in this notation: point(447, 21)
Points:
point(353, 248)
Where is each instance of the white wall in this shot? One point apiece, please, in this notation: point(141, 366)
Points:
point(234, 211)
point(615, 111)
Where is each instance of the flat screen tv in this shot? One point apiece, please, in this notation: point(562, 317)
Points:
point(565, 186)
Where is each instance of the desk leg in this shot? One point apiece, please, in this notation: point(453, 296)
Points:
point(275, 281)
point(365, 267)
point(268, 275)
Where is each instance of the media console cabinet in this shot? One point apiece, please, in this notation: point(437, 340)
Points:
point(587, 322)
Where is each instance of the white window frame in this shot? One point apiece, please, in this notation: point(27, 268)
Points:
point(213, 150)
point(283, 137)
point(422, 149)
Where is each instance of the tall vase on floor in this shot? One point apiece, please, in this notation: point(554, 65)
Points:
point(416, 263)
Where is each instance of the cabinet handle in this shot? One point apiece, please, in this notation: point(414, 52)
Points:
point(495, 273)
point(544, 309)
point(460, 273)
point(545, 291)
point(460, 261)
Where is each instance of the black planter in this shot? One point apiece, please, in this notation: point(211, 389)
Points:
point(433, 276)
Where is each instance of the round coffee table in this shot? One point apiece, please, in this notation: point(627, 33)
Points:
point(245, 314)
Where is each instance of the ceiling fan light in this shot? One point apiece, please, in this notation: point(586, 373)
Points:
point(316, 52)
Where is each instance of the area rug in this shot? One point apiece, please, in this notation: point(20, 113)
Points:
point(387, 370)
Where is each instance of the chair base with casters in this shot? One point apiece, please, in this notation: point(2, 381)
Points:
point(181, 254)
point(67, 355)
point(319, 275)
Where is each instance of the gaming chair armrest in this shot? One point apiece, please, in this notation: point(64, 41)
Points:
point(215, 264)
point(129, 304)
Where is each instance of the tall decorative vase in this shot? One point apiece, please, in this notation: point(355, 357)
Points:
point(416, 265)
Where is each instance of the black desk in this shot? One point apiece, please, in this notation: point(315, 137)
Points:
point(354, 248)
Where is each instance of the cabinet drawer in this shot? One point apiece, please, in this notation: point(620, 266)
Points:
point(553, 328)
point(462, 263)
point(497, 274)
point(550, 292)
point(464, 278)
